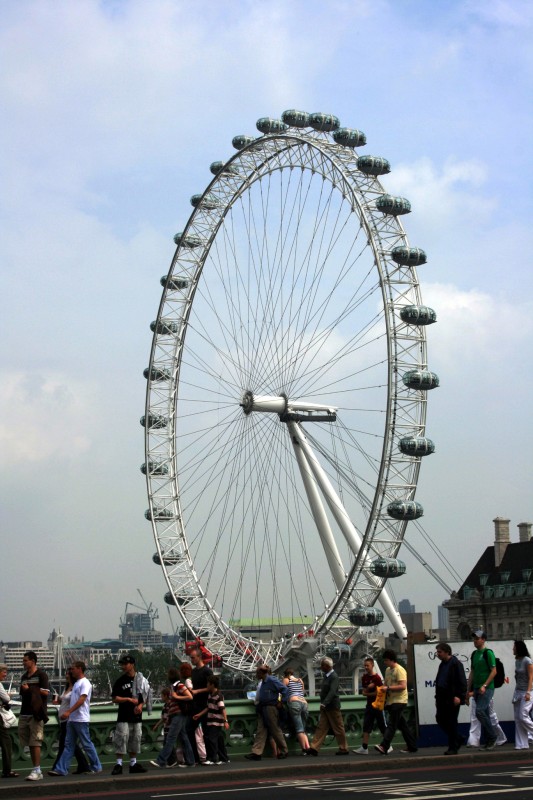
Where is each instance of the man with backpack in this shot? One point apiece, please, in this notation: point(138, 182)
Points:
point(481, 684)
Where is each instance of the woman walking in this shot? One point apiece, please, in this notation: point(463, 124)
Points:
point(523, 696)
point(63, 701)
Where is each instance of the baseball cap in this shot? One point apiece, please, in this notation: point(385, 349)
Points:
point(479, 634)
point(126, 660)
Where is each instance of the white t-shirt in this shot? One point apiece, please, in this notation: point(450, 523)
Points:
point(82, 714)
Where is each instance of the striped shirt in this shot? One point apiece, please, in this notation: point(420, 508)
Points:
point(295, 687)
point(215, 710)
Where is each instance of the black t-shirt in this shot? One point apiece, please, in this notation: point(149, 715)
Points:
point(199, 681)
point(126, 711)
point(33, 702)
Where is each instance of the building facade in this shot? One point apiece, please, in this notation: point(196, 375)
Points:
point(497, 595)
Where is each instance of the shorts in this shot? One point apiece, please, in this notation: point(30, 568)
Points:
point(373, 715)
point(127, 737)
point(31, 731)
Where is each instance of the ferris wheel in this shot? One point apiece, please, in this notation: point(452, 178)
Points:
point(286, 394)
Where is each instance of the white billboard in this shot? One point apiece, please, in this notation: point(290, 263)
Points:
point(426, 665)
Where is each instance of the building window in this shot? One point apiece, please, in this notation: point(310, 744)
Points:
point(504, 576)
point(526, 574)
point(510, 627)
point(483, 580)
point(500, 628)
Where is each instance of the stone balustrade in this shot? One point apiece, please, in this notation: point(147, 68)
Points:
point(242, 718)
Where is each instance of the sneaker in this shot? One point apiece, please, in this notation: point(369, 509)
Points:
point(361, 751)
point(207, 763)
point(156, 764)
point(169, 766)
point(37, 775)
point(391, 748)
point(137, 767)
point(283, 754)
point(312, 751)
point(186, 766)
point(342, 752)
point(252, 757)
point(409, 750)
point(490, 745)
point(52, 772)
point(117, 769)
point(217, 763)
point(380, 749)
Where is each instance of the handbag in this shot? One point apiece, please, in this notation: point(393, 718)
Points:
point(9, 720)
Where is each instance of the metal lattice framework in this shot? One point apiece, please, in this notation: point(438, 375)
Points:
point(278, 350)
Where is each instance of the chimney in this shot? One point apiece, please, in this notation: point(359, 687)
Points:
point(525, 531)
point(501, 539)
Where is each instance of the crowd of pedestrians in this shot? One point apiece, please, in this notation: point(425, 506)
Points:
point(194, 717)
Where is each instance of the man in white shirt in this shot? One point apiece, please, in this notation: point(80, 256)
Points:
point(78, 723)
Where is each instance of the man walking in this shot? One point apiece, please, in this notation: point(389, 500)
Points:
point(77, 718)
point(481, 685)
point(396, 703)
point(330, 712)
point(370, 682)
point(269, 690)
point(127, 693)
point(450, 695)
point(199, 676)
point(34, 692)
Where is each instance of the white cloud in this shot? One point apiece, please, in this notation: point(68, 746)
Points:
point(443, 196)
point(45, 418)
point(477, 328)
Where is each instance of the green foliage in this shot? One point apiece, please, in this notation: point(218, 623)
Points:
point(154, 665)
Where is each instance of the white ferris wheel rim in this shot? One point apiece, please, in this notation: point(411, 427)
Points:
point(267, 318)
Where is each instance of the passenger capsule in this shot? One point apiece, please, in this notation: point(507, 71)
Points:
point(188, 241)
point(155, 421)
point(154, 468)
point(408, 509)
point(207, 201)
point(387, 567)
point(324, 122)
point(241, 141)
point(373, 165)
point(421, 379)
point(418, 315)
point(416, 446)
point(366, 615)
point(409, 256)
point(395, 206)
point(174, 282)
point(168, 559)
point(166, 327)
point(158, 513)
point(296, 119)
point(349, 137)
point(157, 374)
point(219, 166)
point(269, 125)
point(169, 599)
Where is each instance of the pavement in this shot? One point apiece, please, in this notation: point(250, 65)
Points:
point(242, 770)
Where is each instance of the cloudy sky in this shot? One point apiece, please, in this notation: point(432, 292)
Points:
point(112, 113)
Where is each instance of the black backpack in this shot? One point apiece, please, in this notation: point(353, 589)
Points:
point(499, 678)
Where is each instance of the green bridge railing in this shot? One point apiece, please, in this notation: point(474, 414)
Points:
point(239, 738)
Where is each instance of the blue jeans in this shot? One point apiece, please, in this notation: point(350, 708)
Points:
point(78, 732)
point(482, 712)
point(176, 731)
